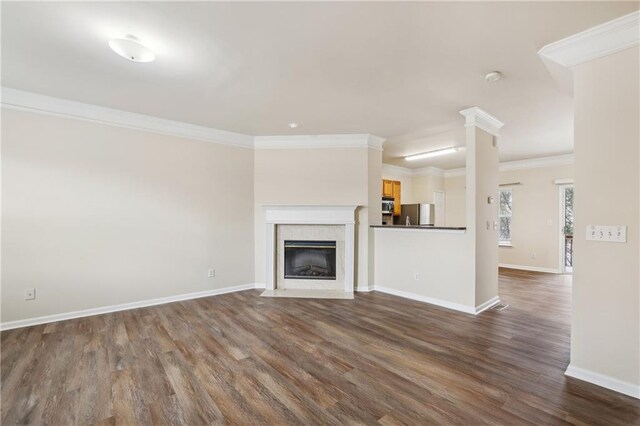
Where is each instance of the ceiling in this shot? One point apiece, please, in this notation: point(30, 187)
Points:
point(397, 70)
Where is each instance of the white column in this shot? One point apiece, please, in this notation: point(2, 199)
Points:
point(270, 274)
point(482, 204)
point(349, 256)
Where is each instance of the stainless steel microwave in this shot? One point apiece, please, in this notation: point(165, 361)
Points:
point(387, 205)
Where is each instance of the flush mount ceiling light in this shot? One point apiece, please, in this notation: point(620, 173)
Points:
point(294, 125)
point(431, 154)
point(493, 76)
point(130, 48)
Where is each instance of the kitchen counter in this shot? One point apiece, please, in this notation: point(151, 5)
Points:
point(425, 227)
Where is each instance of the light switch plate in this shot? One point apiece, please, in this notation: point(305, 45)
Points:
point(607, 233)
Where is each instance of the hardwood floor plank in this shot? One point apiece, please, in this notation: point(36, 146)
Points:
point(242, 359)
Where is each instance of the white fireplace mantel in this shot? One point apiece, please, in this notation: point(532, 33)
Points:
point(278, 214)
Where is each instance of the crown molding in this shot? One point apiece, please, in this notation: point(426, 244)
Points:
point(364, 140)
point(531, 163)
point(479, 118)
point(596, 42)
point(33, 102)
point(391, 169)
point(534, 163)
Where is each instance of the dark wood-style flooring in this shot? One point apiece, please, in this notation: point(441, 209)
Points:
point(242, 359)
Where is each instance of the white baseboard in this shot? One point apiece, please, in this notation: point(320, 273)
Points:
point(431, 300)
point(486, 305)
point(260, 285)
point(530, 268)
point(121, 307)
point(602, 380)
point(364, 288)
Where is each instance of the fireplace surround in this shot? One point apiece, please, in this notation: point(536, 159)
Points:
point(322, 228)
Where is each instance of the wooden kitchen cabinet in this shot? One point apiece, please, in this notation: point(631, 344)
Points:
point(396, 198)
point(387, 188)
point(391, 188)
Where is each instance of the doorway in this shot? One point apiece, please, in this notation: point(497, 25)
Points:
point(566, 228)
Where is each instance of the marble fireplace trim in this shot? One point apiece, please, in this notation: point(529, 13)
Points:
point(310, 215)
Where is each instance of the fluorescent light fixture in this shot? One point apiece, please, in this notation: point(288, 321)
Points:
point(431, 154)
point(130, 48)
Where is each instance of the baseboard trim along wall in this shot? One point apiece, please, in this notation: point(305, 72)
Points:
point(122, 307)
point(431, 300)
point(530, 268)
point(487, 305)
point(604, 381)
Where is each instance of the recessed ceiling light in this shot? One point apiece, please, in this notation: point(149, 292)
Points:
point(130, 48)
point(431, 154)
point(493, 76)
point(294, 125)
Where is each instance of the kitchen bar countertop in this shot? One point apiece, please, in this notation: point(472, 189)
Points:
point(425, 227)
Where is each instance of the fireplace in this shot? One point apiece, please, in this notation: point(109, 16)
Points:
point(310, 248)
point(309, 260)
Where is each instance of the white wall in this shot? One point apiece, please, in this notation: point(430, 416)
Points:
point(605, 325)
point(96, 215)
point(535, 203)
point(318, 176)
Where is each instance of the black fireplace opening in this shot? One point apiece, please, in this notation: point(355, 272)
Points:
point(310, 260)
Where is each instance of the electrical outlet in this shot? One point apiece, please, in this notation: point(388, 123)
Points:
point(29, 293)
point(549, 222)
point(212, 273)
point(533, 254)
point(416, 276)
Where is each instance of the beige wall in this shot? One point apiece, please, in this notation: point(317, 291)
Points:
point(442, 261)
point(535, 203)
point(454, 269)
point(455, 200)
point(422, 188)
point(374, 211)
point(482, 182)
point(536, 218)
point(96, 215)
point(605, 332)
point(317, 176)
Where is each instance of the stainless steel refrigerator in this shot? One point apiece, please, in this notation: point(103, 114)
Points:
point(419, 214)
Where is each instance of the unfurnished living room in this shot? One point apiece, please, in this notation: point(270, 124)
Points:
point(273, 213)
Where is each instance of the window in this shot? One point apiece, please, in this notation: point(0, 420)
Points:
point(504, 213)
